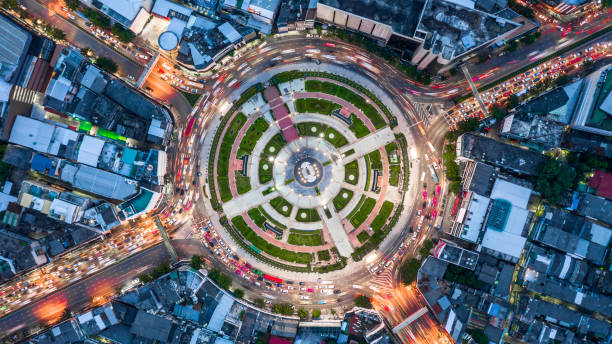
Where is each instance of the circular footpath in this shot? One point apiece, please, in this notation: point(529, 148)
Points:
point(306, 172)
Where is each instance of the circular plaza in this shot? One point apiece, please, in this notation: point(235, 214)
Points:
point(307, 171)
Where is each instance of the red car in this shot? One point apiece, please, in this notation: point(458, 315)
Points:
point(331, 45)
point(236, 85)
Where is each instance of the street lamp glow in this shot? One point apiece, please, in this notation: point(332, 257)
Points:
point(413, 153)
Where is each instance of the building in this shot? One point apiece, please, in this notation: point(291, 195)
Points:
point(537, 132)
point(296, 15)
point(260, 14)
point(183, 306)
point(601, 183)
point(581, 141)
point(99, 103)
point(558, 104)
point(499, 222)
point(24, 70)
point(595, 207)
point(471, 147)
point(131, 14)
point(594, 107)
point(451, 253)
point(443, 30)
point(573, 234)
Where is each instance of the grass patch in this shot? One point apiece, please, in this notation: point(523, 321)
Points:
point(305, 239)
point(257, 217)
point(344, 93)
point(363, 236)
point(224, 155)
point(192, 98)
point(351, 169)
point(271, 219)
point(271, 249)
point(334, 137)
point(278, 203)
point(363, 213)
point(314, 105)
point(358, 127)
point(323, 255)
point(243, 184)
point(375, 160)
point(394, 174)
point(270, 150)
point(252, 135)
point(330, 134)
point(368, 172)
point(309, 128)
point(383, 215)
point(340, 201)
point(307, 215)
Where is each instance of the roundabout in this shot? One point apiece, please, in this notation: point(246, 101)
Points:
point(308, 173)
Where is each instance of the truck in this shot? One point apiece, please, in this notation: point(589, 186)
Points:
point(433, 174)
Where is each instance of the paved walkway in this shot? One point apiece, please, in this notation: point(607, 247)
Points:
point(369, 143)
point(255, 156)
point(246, 201)
point(280, 113)
point(336, 231)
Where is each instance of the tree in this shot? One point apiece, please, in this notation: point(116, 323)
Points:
point(455, 186)
point(196, 262)
point(409, 270)
point(316, 313)
point(283, 308)
point(97, 18)
point(553, 179)
point(478, 336)
point(562, 80)
point(57, 34)
point(497, 112)
point(145, 278)
point(238, 293)
point(427, 246)
point(303, 314)
point(10, 4)
point(363, 302)
point(512, 46)
point(513, 101)
point(606, 3)
point(107, 64)
point(123, 34)
point(72, 4)
point(259, 302)
point(221, 279)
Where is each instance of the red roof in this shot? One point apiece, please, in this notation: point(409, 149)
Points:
point(277, 340)
point(345, 112)
point(602, 181)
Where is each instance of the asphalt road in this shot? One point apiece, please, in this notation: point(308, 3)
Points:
point(80, 295)
point(81, 38)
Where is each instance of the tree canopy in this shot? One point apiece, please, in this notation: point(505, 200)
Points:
point(107, 64)
point(238, 293)
point(221, 279)
point(553, 179)
point(316, 313)
point(283, 308)
point(196, 262)
point(363, 302)
point(409, 270)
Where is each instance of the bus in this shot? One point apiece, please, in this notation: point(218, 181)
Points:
point(189, 126)
point(256, 250)
point(433, 174)
point(273, 279)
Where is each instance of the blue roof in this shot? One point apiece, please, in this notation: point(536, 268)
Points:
point(186, 312)
point(41, 163)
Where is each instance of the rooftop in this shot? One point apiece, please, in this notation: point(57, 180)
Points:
point(452, 253)
point(595, 207)
point(534, 131)
point(602, 183)
point(401, 15)
point(455, 27)
point(97, 181)
point(504, 156)
point(560, 103)
point(14, 43)
point(151, 326)
point(580, 141)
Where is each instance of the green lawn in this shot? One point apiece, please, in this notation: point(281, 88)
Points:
point(309, 128)
point(358, 127)
point(350, 96)
point(335, 138)
point(224, 154)
point(363, 213)
point(314, 105)
point(323, 255)
point(375, 160)
point(394, 173)
point(340, 201)
point(243, 184)
point(263, 245)
point(305, 239)
point(270, 150)
point(363, 236)
point(383, 215)
point(271, 219)
point(311, 215)
point(252, 135)
point(257, 217)
point(351, 169)
point(192, 98)
point(279, 203)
